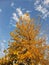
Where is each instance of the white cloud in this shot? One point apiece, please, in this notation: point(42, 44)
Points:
point(0, 10)
point(23, 9)
point(15, 17)
point(37, 2)
point(11, 23)
point(42, 6)
point(17, 14)
point(28, 11)
point(2, 49)
point(3, 46)
point(4, 41)
point(12, 4)
point(47, 38)
point(2, 54)
point(46, 2)
point(19, 11)
point(14, 25)
point(41, 33)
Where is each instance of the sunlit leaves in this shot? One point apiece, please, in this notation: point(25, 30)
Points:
point(26, 44)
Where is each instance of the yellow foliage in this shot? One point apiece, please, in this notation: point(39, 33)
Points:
point(26, 45)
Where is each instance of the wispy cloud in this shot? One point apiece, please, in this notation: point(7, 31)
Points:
point(12, 4)
point(42, 6)
point(20, 13)
point(46, 2)
point(37, 2)
point(17, 14)
point(0, 10)
point(15, 17)
point(3, 45)
point(4, 41)
point(23, 9)
point(12, 24)
point(1, 54)
point(28, 11)
point(2, 49)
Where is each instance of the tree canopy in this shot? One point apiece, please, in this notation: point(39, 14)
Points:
point(25, 46)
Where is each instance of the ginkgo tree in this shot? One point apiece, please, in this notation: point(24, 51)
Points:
point(26, 47)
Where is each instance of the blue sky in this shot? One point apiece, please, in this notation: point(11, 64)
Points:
point(10, 10)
